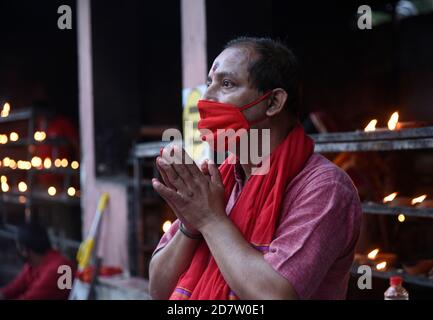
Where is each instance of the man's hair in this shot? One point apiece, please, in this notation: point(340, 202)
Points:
point(33, 237)
point(275, 67)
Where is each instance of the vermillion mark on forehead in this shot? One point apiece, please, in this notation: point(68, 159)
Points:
point(215, 66)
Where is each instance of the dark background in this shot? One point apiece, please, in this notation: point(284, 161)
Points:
point(354, 75)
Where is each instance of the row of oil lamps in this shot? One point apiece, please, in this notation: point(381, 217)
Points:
point(37, 163)
point(22, 187)
point(419, 201)
point(393, 124)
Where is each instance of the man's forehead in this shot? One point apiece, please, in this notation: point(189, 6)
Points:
point(231, 60)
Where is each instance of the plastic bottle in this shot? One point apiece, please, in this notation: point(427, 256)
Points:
point(396, 291)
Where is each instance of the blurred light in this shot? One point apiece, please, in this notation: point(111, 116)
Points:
point(5, 111)
point(418, 199)
point(22, 199)
point(6, 162)
point(24, 165)
point(14, 136)
point(392, 123)
point(401, 217)
point(372, 255)
point(36, 162)
point(57, 163)
point(13, 164)
point(52, 191)
point(71, 191)
point(3, 139)
point(47, 163)
point(166, 226)
point(5, 187)
point(381, 266)
point(40, 135)
point(3, 179)
point(75, 165)
point(371, 125)
point(390, 197)
point(22, 186)
point(7, 107)
point(64, 163)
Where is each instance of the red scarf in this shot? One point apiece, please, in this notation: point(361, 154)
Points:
point(255, 213)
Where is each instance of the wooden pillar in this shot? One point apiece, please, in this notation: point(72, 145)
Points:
point(194, 49)
point(113, 231)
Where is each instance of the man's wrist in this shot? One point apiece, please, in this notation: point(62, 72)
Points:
point(188, 233)
point(214, 223)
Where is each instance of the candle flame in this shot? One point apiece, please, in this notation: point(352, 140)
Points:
point(401, 217)
point(390, 197)
point(381, 266)
point(5, 111)
point(418, 199)
point(7, 107)
point(393, 120)
point(372, 255)
point(52, 191)
point(371, 125)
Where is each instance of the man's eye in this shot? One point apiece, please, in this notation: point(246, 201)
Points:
point(208, 83)
point(227, 83)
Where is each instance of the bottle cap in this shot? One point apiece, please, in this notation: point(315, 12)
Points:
point(395, 281)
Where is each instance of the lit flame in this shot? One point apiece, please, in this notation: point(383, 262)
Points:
point(372, 255)
point(3, 139)
point(64, 163)
point(6, 161)
point(71, 191)
point(393, 120)
point(14, 136)
point(401, 217)
point(75, 165)
point(418, 199)
point(4, 179)
point(381, 266)
point(24, 165)
point(5, 111)
point(22, 186)
point(36, 162)
point(13, 164)
point(52, 191)
point(40, 135)
point(166, 226)
point(7, 107)
point(47, 163)
point(371, 126)
point(5, 187)
point(390, 197)
point(58, 163)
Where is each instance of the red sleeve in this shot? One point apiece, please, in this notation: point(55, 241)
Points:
point(18, 286)
point(167, 236)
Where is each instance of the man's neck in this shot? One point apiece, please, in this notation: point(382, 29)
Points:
point(277, 136)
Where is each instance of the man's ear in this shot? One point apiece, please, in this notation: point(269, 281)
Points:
point(278, 101)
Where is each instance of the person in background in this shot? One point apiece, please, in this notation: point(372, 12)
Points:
point(38, 280)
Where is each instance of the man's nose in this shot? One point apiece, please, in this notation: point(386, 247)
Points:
point(209, 95)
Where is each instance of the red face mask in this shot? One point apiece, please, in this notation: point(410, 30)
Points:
point(218, 117)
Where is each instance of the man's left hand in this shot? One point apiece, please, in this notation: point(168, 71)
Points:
point(196, 198)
